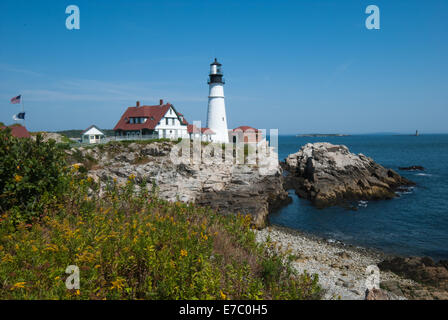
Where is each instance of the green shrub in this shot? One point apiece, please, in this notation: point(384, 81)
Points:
point(31, 172)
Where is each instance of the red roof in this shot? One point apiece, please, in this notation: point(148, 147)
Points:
point(249, 134)
point(183, 118)
point(207, 131)
point(153, 113)
point(192, 128)
point(18, 131)
point(245, 128)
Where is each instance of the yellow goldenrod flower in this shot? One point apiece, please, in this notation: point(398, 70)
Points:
point(17, 178)
point(7, 258)
point(118, 284)
point(52, 247)
point(223, 296)
point(18, 285)
point(183, 253)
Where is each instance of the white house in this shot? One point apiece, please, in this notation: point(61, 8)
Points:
point(92, 135)
point(157, 121)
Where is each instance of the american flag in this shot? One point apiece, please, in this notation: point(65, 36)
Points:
point(16, 100)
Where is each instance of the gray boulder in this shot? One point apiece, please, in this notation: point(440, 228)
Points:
point(330, 174)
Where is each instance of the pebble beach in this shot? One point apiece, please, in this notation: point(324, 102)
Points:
point(341, 268)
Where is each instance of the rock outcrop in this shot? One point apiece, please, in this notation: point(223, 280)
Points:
point(47, 136)
point(329, 175)
point(229, 188)
point(421, 269)
point(376, 294)
point(412, 168)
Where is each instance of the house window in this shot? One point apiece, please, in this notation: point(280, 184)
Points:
point(166, 121)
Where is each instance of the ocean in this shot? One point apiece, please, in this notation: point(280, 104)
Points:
point(415, 223)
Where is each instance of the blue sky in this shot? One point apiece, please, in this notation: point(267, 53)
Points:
point(300, 66)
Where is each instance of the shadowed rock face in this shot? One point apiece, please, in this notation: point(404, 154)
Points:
point(420, 269)
point(376, 294)
point(329, 174)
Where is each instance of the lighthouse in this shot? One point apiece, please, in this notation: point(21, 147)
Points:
point(216, 114)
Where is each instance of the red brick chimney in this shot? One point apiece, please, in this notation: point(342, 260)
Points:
point(161, 102)
point(137, 104)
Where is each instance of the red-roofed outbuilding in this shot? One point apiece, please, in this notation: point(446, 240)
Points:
point(203, 134)
point(246, 134)
point(18, 131)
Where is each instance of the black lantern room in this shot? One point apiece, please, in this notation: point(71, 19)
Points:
point(215, 73)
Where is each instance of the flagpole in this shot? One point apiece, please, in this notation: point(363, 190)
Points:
point(23, 110)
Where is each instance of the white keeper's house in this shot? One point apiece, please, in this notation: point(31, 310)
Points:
point(92, 135)
point(157, 121)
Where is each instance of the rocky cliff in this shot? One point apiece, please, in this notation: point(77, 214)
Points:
point(330, 174)
point(229, 188)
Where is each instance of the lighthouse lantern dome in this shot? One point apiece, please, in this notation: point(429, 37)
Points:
point(215, 67)
point(215, 76)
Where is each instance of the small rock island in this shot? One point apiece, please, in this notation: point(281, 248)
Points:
point(330, 174)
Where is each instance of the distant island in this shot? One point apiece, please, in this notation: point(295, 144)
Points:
point(322, 135)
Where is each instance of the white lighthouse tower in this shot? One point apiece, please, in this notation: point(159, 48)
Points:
point(216, 115)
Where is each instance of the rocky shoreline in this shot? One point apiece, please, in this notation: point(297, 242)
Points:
point(342, 268)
